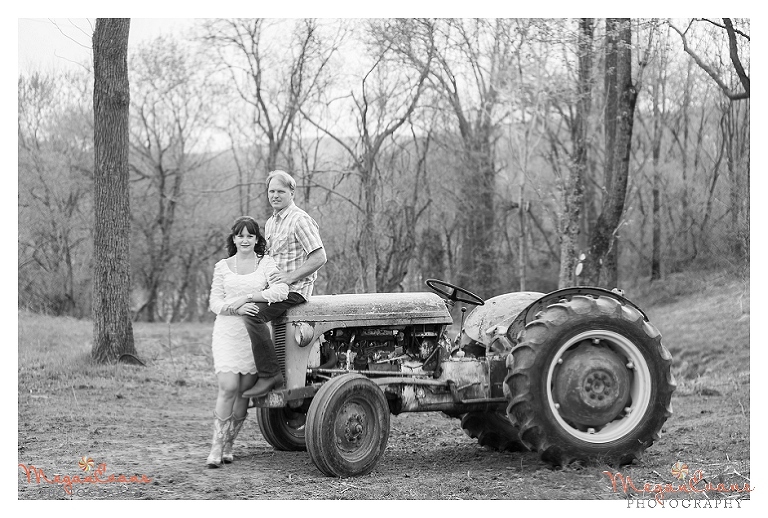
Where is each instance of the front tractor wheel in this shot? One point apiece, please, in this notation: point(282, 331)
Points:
point(347, 426)
point(590, 381)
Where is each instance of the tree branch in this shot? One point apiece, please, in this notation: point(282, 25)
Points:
point(734, 52)
point(735, 96)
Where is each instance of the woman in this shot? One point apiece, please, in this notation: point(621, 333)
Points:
point(238, 283)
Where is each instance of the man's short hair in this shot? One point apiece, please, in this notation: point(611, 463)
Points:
point(283, 177)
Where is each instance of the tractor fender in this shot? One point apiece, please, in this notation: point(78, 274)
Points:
point(528, 314)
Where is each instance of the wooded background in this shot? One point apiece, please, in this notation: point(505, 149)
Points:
point(491, 153)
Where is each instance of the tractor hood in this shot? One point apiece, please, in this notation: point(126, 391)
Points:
point(373, 309)
point(499, 310)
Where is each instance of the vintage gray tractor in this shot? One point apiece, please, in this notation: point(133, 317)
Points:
point(577, 375)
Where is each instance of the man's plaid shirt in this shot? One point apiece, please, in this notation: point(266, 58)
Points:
point(291, 236)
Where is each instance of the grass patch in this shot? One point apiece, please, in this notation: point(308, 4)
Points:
point(704, 321)
point(53, 348)
point(55, 352)
point(689, 286)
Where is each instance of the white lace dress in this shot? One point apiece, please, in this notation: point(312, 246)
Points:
point(230, 343)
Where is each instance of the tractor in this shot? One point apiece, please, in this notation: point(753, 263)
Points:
point(577, 375)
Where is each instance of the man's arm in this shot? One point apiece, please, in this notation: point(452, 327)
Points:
point(314, 261)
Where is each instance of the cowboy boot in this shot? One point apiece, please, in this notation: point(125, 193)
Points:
point(220, 432)
point(229, 442)
point(264, 385)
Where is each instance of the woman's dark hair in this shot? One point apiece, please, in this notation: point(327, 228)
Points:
point(253, 227)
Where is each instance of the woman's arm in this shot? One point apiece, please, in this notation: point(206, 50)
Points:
point(275, 292)
point(217, 302)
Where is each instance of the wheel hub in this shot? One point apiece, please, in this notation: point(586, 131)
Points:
point(591, 385)
point(351, 428)
point(354, 429)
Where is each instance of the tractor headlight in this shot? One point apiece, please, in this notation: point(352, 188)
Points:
point(303, 333)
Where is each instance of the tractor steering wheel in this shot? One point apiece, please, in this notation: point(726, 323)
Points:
point(455, 294)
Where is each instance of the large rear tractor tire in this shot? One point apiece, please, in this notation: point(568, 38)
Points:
point(590, 382)
point(347, 426)
point(492, 430)
point(283, 428)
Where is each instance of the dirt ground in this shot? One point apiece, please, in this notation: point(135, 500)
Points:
point(155, 422)
point(164, 435)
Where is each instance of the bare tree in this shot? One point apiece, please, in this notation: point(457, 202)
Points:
point(55, 170)
point(734, 131)
point(659, 101)
point(274, 81)
point(486, 48)
point(473, 62)
point(404, 208)
point(679, 126)
point(600, 265)
point(736, 142)
point(383, 104)
point(573, 191)
point(112, 330)
point(173, 108)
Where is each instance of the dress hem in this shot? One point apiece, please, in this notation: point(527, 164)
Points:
point(234, 371)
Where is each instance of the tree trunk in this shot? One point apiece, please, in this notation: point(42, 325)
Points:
point(655, 187)
point(574, 188)
point(112, 330)
point(522, 259)
point(599, 268)
point(432, 254)
point(744, 151)
point(478, 262)
point(737, 160)
point(369, 255)
point(685, 224)
point(656, 246)
point(611, 263)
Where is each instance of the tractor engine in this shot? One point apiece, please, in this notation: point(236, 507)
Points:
point(386, 348)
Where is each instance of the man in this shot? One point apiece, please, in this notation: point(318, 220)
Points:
point(293, 241)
